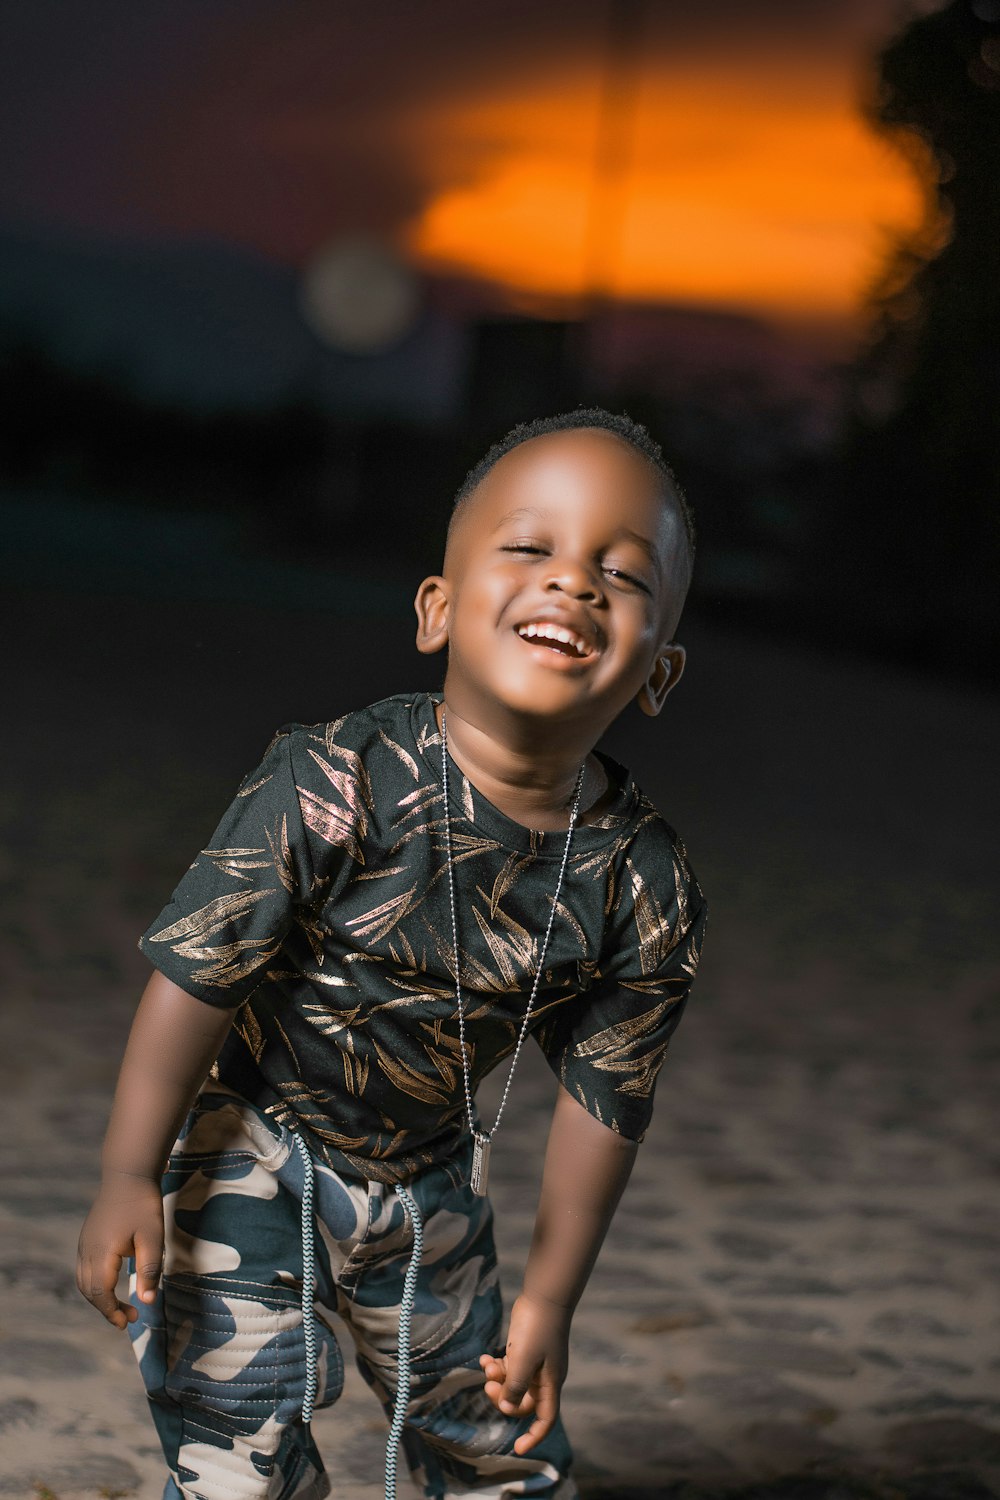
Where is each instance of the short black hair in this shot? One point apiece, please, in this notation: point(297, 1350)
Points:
point(620, 424)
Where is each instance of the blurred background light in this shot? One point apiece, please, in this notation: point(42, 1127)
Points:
point(358, 295)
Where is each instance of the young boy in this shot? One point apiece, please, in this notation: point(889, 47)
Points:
point(391, 903)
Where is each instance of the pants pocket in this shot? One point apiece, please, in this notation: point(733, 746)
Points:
point(238, 1351)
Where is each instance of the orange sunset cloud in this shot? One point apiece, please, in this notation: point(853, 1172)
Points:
point(752, 188)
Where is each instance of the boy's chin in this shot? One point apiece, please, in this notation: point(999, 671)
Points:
point(546, 702)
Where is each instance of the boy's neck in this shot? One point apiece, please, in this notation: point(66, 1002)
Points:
point(533, 788)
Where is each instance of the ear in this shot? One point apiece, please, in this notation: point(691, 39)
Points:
point(664, 674)
point(431, 604)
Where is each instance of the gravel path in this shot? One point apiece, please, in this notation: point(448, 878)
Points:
point(798, 1299)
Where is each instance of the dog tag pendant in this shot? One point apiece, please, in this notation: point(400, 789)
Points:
point(480, 1163)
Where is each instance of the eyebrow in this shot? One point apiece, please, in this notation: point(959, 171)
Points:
point(623, 531)
point(523, 510)
point(640, 541)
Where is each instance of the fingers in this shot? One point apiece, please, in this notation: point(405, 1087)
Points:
point(494, 1367)
point(538, 1430)
point(515, 1399)
point(503, 1392)
point(541, 1397)
point(547, 1405)
point(97, 1278)
point(520, 1383)
point(126, 1219)
point(495, 1391)
point(148, 1264)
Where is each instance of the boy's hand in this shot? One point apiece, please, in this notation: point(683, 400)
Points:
point(126, 1219)
point(529, 1377)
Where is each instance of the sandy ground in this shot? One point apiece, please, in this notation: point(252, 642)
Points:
point(798, 1299)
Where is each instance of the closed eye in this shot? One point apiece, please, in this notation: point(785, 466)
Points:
point(522, 547)
point(628, 578)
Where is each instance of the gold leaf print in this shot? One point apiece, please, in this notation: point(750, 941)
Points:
point(352, 760)
point(355, 1068)
point(300, 1097)
point(331, 1023)
point(433, 830)
point(542, 1007)
point(680, 890)
point(380, 921)
point(236, 861)
point(585, 971)
point(656, 934)
point(330, 823)
point(474, 975)
point(408, 1080)
point(565, 915)
point(506, 877)
point(610, 1051)
point(381, 1147)
point(255, 786)
point(281, 853)
point(428, 736)
point(599, 860)
point(403, 755)
point(448, 1066)
point(417, 801)
point(614, 1041)
point(411, 957)
point(612, 895)
point(331, 729)
point(444, 1039)
point(224, 965)
point(211, 917)
point(249, 1028)
point(348, 784)
point(471, 843)
point(414, 997)
point(657, 986)
point(694, 953)
point(335, 1138)
point(644, 1068)
point(314, 934)
point(449, 1074)
point(516, 949)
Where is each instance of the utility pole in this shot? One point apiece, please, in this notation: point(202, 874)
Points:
point(609, 184)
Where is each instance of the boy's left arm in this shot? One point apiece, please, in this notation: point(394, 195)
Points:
point(586, 1168)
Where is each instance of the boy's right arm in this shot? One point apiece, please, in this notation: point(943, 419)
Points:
point(174, 1040)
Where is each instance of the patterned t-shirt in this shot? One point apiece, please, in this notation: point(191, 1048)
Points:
point(321, 909)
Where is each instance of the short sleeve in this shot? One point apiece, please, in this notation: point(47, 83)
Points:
point(231, 911)
point(607, 1044)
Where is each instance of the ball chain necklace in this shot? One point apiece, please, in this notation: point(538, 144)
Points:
point(482, 1139)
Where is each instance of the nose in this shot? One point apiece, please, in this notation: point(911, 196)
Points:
point(571, 575)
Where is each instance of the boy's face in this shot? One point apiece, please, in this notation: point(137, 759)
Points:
point(568, 532)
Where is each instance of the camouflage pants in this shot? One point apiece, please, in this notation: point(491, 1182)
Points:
point(222, 1350)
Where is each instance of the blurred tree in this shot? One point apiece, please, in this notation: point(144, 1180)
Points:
point(923, 461)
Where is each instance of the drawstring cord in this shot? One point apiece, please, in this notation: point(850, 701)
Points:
point(403, 1341)
point(308, 1280)
point(405, 1313)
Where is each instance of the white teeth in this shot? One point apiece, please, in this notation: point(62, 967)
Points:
point(546, 630)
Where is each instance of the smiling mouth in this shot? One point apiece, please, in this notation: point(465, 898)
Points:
point(555, 638)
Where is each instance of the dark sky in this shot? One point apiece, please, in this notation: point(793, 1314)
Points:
point(278, 123)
